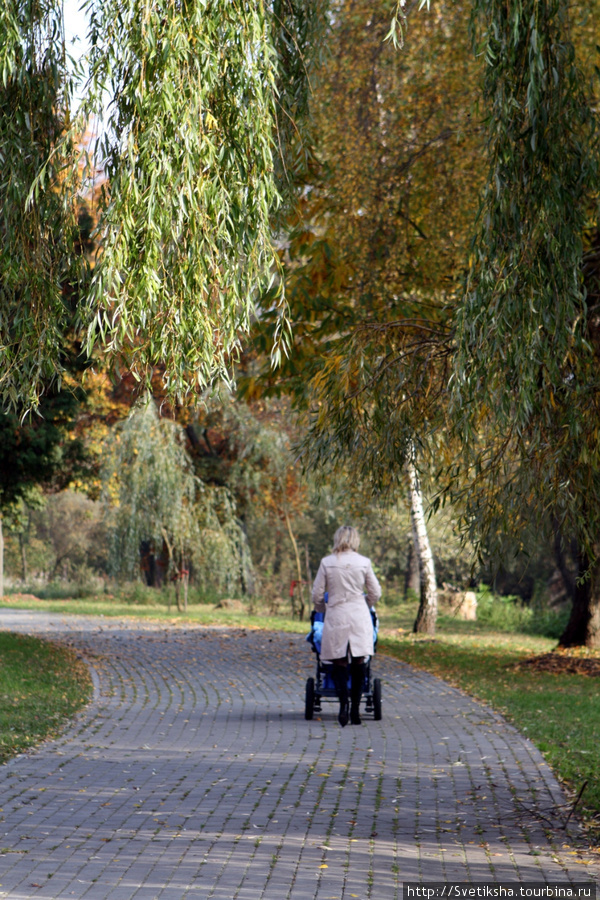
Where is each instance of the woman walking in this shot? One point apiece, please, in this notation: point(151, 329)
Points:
point(348, 627)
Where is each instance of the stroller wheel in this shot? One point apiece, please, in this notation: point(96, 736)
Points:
point(309, 698)
point(376, 699)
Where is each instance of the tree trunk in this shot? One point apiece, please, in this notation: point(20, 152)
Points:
point(147, 564)
point(182, 576)
point(1, 559)
point(568, 579)
point(246, 572)
point(185, 579)
point(277, 553)
point(298, 566)
point(583, 627)
point(23, 546)
point(427, 614)
point(308, 570)
point(412, 582)
point(172, 564)
point(593, 630)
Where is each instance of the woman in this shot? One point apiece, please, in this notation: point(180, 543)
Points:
point(348, 627)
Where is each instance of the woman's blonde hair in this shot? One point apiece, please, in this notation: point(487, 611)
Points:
point(345, 538)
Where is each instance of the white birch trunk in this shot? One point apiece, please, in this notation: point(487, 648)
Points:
point(427, 614)
point(412, 580)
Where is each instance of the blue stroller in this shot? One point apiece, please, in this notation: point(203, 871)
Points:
point(322, 687)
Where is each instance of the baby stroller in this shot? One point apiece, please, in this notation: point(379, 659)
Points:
point(321, 687)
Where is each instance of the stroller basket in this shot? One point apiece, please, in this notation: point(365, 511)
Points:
point(322, 687)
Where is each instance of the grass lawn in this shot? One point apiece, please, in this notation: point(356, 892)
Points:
point(559, 710)
point(198, 613)
point(42, 686)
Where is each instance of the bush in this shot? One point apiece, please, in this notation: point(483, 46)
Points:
point(85, 583)
point(510, 614)
point(139, 594)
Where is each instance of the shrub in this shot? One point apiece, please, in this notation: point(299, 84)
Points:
point(510, 614)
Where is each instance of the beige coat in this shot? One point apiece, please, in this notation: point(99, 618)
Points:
point(347, 620)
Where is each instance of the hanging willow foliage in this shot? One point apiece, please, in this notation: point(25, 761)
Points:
point(525, 370)
point(156, 498)
point(188, 150)
point(204, 101)
point(41, 269)
point(525, 302)
point(298, 28)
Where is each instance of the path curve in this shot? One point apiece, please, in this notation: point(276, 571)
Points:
point(193, 774)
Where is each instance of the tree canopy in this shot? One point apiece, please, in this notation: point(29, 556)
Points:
point(158, 500)
point(200, 98)
point(484, 354)
point(526, 363)
point(41, 265)
point(417, 321)
point(377, 249)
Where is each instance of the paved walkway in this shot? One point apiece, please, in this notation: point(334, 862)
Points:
point(193, 774)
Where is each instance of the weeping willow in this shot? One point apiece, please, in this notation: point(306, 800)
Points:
point(525, 364)
point(198, 103)
point(188, 150)
point(41, 268)
point(154, 497)
point(522, 324)
point(526, 389)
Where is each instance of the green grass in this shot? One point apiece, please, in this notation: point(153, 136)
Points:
point(142, 608)
point(559, 712)
point(42, 686)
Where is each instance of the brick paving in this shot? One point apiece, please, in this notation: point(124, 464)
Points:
point(193, 774)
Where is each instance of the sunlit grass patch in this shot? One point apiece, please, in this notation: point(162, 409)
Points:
point(42, 686)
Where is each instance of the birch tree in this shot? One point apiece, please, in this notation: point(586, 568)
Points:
point(427, 614)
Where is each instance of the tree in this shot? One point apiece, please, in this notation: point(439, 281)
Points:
point(526, 367)
point(199, 94)
point(72, 527)
point(157, 499)
point(41, 265)
point(427, 613)
point(374, 259)
point(254, 460)
point(41, 452)
point(265, 467)
point(522, 347)
point(518, 347)
point(376, 246)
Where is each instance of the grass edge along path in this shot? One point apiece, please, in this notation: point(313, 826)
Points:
point(559, 712)
point(159, 614)
point(42, 686)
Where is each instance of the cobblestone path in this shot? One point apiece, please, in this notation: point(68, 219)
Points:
point(193, 774)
